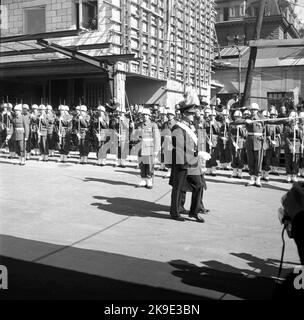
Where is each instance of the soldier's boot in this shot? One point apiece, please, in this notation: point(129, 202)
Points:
point(234, 173)
point(23, 161)
point(20, 161)
point(61, 158)
point(295, 178)
point(11, 155)
point(288, 179)
point(41, 158)
point(266, 176)
point(28, 156)
point(208, 171)
point(142, 183)
point(46, 158)
point(240, 174)
point(251, 182)
point(103, 162)
point(81, 160)
point(302, 173)
point(121, 163)
point(117, 163)
point(149, 183)
point(85, 160)
point(65, 158)
point(98, 162)
point(258, 182)
point(246, 168)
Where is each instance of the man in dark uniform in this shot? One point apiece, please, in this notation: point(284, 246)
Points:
point(186, 172)
point(20, 133)
point(224, 146)
point(42, 134)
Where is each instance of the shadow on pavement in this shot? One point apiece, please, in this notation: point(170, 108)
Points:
point(40, 270)
point(132, 207)
point(74, 273)
point(233, 282)
point(112, 182)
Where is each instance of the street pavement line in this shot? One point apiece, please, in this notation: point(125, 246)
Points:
point(81, 240)
point(162, 196)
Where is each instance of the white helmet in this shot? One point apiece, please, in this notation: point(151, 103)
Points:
point(146, 111)
point(18, 107)
point(266, 113)
point(293, 114)
point(34, 106)
point(254, 106)
point(83, 108)
point(49, 107)
point(101, 108)
point(301, 114)
point(238, 113)
point(25, 106)
point(225, 112)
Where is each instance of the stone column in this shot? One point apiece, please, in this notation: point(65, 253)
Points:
point(120, 88)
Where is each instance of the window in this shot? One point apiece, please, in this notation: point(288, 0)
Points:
point(34, 19)
point(226, 14)
point(89, 18)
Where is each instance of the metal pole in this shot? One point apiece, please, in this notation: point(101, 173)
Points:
point(253, 55)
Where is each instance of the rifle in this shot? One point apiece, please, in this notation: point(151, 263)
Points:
point(294, 141)
point(237, 140)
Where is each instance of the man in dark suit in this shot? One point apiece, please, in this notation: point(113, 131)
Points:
point(187, 174)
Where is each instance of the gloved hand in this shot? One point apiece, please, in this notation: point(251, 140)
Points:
point(204, 156)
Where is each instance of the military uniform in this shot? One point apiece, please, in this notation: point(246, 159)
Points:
point(272, 158)
point(149, 148)
point(224, 145)
point(186, 174)
point(101, 135)
point(42, 134)
point(51, 119)
point(237, 136)
point(212, 136)
point(293, 140)
point(20, 134)
point(64, 125)
point(166, 142)
point(83, 135)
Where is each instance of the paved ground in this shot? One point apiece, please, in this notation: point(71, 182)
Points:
point(72, 231)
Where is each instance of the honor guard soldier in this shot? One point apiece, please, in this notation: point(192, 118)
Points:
point(187, 175)
point(237, 137)
point(83, 134)
point(64, 125)
point(101, 131)
point(50, 130)
point(149, 149)
point(224, 146)
point(123, 137)
point(33, 145)
point(212, 134)
point(254, 146)
point(266, 147)
point(301, 125)
point(246, 115)
point(275, 139)
point(20, 133)
point(6, 119)
point(42, 134)
point(166, 142)
point(26, 113)
point(293, 140)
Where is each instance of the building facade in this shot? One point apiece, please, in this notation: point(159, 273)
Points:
point(278, 73)
point(238, 18)
point(156, 48)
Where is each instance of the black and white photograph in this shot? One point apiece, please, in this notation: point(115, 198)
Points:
point(152, 152)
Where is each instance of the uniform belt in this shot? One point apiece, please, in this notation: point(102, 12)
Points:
point(20, 129)
point(255, 133)
point(147, 139)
